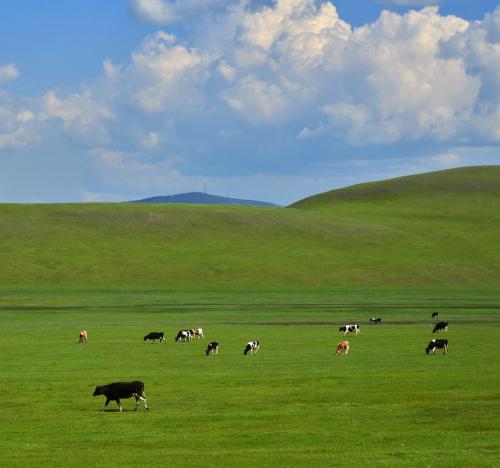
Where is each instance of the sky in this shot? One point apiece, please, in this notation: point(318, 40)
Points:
point(271, 100)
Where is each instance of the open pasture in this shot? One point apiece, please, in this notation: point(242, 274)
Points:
point(294, 403)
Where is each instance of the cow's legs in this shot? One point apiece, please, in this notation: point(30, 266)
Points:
point(119, 405)
point(445, 349)
point(346, 350)
point(106, 404)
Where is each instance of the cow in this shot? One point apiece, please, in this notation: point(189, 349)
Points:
point(343, 347)
point(184, 335)
point(83, 336)
point(440, 326)
point(375, 321)
point(435, 314)
point(440, 343)
point(252, 346)
point(212, 347)
point(197, 332)
point(155, 336)
point(118, 390)
point(350, 329)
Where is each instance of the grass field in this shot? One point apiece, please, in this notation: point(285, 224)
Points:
point(294, 403)
point(418, 231)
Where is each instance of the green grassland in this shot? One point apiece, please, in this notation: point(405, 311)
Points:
point(294, 403)
point(431, 229)
point(289, 277)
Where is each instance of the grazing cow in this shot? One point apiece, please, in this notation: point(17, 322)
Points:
point(435, 314)
point(252, 346)
point(343, 347)
point(375, 321)
point(350, 329)
point(197, 332)
point(83, 336)
point(184, 335)
point(155, 336)
point(433, 344)
point(440, 326)
point(116, 391)
point(212, 347)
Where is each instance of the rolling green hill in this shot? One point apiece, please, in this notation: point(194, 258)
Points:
point(437, 229)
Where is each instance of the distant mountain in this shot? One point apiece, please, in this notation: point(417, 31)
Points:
point(200, 198)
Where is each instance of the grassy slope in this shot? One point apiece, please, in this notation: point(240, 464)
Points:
point(438, 229)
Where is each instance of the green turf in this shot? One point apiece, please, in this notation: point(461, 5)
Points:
point(439, 229)
point(293, 404)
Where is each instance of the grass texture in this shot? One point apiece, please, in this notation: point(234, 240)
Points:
point(431, 229)
point(293, 404)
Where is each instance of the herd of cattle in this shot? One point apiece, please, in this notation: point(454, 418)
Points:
point(122, 390)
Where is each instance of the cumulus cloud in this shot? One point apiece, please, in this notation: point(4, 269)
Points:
point(163, 12)
point(166, 74)
point(9, 72)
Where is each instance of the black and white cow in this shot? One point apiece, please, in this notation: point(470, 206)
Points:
point(252, 346)
point(433, 344)
point(350, 329)
point(155, 336)
point(184, 335)
point(435, 314)
point(440, 326)
point(213, 347)
point(118, 390)
point(375, 321)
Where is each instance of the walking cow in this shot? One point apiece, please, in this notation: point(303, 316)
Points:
point(83, 336)
point(118, 390)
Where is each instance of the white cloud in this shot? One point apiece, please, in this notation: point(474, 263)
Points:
point(165, 74)
point(163, 12)
point(110, 70)
point(9, 72)
point(18, 123)
point(153, 11)
point(80, 113)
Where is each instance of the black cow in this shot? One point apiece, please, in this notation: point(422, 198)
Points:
point(212, 347)
point(435, 314)
point(375, 321)
point(433, 344)
point(252, 346)
point(350, 329)
point(184, 335)
point(117, 390)
point(155, 336)
point(440, 326)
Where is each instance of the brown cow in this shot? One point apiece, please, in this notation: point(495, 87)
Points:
point(343, 347)
point(83, 336)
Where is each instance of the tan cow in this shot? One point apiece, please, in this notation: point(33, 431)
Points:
point(83, 336)
point(343, 347)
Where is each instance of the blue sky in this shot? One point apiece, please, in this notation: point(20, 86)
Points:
point(264, 99)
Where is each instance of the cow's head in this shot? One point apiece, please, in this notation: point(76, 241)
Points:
point(98, 391)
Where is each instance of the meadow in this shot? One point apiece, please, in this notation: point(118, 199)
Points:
point(294, 403)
